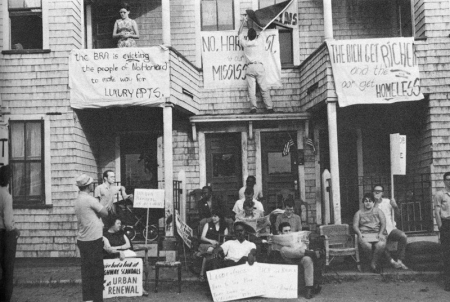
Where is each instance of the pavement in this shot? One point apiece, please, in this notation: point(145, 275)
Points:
point(35, 271)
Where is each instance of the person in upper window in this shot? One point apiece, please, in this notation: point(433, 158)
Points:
point(125, 29)
point(255, 73)
point(251, 183)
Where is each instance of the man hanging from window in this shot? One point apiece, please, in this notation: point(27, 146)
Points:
point(253, 48)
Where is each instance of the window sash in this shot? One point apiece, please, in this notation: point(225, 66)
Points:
point(24, 4)
point(27, 162)
point(217, 15)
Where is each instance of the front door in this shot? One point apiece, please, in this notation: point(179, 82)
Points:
point(224, 167)
point(279, 173)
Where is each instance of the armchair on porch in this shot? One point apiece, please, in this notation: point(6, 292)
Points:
point(339, 243)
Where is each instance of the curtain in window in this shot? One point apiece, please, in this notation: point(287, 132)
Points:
point(17, 150)
point(33, 141)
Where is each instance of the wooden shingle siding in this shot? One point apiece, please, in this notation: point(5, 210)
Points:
point(182, 26)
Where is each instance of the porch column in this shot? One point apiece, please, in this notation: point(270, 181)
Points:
point(168, 165)
point(165, 5)
point(327, 20)
point(334, 160)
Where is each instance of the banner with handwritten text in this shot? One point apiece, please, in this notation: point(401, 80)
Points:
point(375, 71)
point(119, 77)
point(184, 230)
point(224, 62)
point(123, 278)
point(259, 279)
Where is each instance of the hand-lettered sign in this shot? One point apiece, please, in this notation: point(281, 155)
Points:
point(259, 279)
point(184, 230)
point(375, 71)
point(148, 198)
point(123, 278)
point(102, 78)
point(224, 62)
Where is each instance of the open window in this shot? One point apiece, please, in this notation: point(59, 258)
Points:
point(25, 26)
point(217, 15)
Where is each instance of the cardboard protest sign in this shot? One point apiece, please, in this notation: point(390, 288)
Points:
point(148, 198)
point(123, 278)
point(224, 62)
point(375, 71)
point(184, 230)
point(102, 78)
point(259, 279)
point(398, 154)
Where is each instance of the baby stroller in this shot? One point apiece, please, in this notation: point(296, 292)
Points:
point(134, 221)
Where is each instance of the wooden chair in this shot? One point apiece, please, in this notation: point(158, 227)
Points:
point(339, 243)
point(168, 244)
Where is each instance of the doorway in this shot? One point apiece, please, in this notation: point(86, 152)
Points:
point(224, 167)
point(279, 173)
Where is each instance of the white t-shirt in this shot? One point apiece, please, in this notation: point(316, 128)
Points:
point(385, 206)
point(234, 250)
point(257, 192)
point(239, 206)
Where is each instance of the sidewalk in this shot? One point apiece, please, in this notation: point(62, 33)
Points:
point(35, 271)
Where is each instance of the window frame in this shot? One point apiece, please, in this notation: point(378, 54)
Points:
point(46, 200)
point(6, 47)
point(233, 7)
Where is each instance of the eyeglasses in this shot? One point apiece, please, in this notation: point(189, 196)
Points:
point(377, 191)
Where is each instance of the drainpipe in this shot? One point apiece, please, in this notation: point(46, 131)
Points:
point(327, 20)
point(165, 5)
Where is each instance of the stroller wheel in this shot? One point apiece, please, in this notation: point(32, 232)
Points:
point(152, 233)
point(130, 232)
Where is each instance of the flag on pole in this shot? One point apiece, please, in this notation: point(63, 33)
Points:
point(287, 147)
point(310, 142)
point(265, 16)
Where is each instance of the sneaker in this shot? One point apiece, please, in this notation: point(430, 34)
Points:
point(395, 264)
point(401, 264)
point(253, 111)
point(144, 293)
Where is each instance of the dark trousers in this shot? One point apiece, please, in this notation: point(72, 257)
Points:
point(8, 243)
point(217, 263)
point(92, 270)
point(445, 245)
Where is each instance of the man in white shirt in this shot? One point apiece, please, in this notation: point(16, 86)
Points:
point(107, 191)
point(238, 208)
point(237, 251)
point(388, 206)
point(255, 73)
point(251, 182)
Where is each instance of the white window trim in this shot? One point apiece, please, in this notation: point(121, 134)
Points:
point(7, 26)
point(47, 157)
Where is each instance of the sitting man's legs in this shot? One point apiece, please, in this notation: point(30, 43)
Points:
point(400, 237)
point(308, 267)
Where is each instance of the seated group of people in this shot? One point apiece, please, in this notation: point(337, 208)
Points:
point(375, 226)
point(215, 227)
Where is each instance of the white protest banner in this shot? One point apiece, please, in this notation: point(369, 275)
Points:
point(224, 62)
point(184, 230)
point(102, 78)
point(234, 283)
point(148, 198)
point(123, 278)
point(398, 154)
point(375, 71)
point(4, 157)
point(259, 279)
point(281, 281)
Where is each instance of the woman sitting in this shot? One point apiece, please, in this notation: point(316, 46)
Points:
point(212, 231)
point(115, 242)
point(370, 225)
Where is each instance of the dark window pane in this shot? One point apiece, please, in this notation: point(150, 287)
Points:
point(286, 54)
point(17, 142)
point(224, 165)
point(26, 30)
point(19, 179)
point(278, 163)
